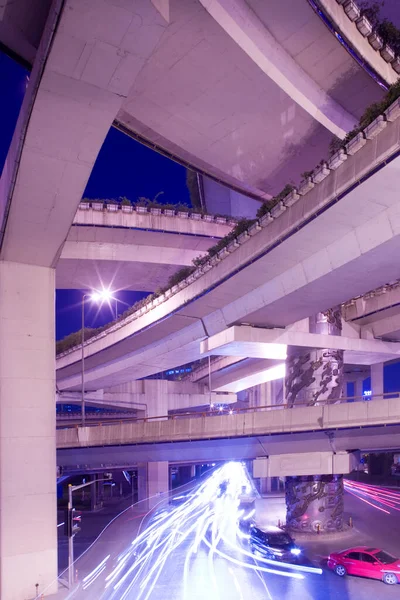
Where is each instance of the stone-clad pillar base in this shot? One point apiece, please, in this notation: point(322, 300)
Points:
point(28, 504)
point(317, 376)
point(314, 503)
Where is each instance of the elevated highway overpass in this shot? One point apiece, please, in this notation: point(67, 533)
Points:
point(270, 431)
point(245, 100)
point(377, 312)
point(311, 254)
point(134, 250)
point(99, 64)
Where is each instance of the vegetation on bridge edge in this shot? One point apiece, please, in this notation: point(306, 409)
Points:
point(387, 30)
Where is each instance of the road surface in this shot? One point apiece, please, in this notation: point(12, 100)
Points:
point(196, 551)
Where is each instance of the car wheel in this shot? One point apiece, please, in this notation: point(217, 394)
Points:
point(390, 578)
point(340, 570)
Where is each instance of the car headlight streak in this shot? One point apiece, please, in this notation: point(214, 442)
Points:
point(205, 522)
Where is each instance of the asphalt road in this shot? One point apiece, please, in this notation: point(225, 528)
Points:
point(194, 552)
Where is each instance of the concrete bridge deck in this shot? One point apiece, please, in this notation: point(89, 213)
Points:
point(134, 250)
point(381, 411)
point(312, 254)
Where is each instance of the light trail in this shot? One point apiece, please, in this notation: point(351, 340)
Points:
point(206, 521)
point(377, 497)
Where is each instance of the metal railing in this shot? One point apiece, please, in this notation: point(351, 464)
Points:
point(73, 416)
point(209, 413)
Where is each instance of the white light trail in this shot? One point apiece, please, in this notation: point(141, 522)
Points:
point(207, 520)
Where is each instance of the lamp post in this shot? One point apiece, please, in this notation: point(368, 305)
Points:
point(83, 408)
point(95, 296)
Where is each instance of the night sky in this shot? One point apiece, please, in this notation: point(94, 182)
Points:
point(123, 168)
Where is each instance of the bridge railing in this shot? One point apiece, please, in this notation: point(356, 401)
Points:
point(214, 412)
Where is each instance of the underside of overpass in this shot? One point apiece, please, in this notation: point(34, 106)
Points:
point(249, 94)
point(225, 71)
point(132, 251)
point(290, 267)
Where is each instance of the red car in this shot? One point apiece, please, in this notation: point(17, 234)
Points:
point(366, 562)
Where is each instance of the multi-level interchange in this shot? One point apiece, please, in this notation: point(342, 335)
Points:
point(249, 94)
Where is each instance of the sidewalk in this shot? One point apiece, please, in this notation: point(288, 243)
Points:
point(93, 524)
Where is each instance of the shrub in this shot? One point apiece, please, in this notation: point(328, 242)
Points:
point(241, 226)
point(74, 339)
point(268, 205)
point(180, 207)
point(178, 277)
point(370, 114)
point(142, 201)
point(125, 201)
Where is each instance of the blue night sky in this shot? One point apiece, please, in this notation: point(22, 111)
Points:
point(124, 167)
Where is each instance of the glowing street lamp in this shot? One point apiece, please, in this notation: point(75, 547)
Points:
point(102, 296)
point(98, 296)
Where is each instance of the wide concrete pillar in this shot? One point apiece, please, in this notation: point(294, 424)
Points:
point(28, 519)
point(261, 395)
point(377, 384)
point(153, 483)
point(314, 503)
point(157, 393)
point(317, 376)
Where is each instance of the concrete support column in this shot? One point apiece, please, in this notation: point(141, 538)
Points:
point(93, 493)
point(277, 392)
point(100, 489)
point(153, 483)
point(265, 485)
point(28, 519)
point(157, 393)
point(317, 376)
point(266, 391)
point(358, 387)
point(314, 503)
point(261, 395)
point(377, 386)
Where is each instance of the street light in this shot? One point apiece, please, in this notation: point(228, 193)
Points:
point(98, 296)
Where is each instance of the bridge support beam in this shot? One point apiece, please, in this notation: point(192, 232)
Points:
point(159, 396)
point(313, 485)
point(317, 375)
point(28, 533)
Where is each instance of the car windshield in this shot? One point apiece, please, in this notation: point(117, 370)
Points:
point(385, 557)
point(279, 539)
